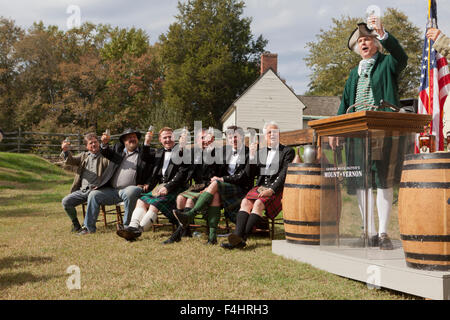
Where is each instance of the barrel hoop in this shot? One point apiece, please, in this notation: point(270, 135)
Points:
point(302, 186)
point(429, 257)
point(426, 238)
point(428, 267)
point(312, 243)
point(426, 166)
point(310, 223)
point(427, 156)
point(306, 173)
point(303, 236)
point(425, 185)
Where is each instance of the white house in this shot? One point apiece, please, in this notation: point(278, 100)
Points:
point(267, 99)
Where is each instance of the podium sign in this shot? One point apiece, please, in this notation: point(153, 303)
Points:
point(360, 178)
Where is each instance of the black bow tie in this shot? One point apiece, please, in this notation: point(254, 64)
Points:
point(167, 150)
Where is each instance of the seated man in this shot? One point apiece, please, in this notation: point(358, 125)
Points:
point(170, 180)
point(267, 194)
point(128, 177)
point(194, 200)
point(227, 188)
point(90, 167)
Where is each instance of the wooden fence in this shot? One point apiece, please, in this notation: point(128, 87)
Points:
point(48, 144)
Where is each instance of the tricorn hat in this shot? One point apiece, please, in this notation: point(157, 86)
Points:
point(362, 31)
point(128, 131)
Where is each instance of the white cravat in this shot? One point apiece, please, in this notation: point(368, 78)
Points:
point(167, 156)
point(270, 156)
point(232, 163)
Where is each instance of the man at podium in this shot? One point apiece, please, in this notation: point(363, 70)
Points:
point(374, 80)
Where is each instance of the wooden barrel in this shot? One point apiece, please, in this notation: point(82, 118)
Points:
point(424, 211)
point(302, 203)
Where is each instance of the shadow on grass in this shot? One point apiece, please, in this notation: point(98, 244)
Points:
point(18, 261)
point(20, 278)
point(18, 212)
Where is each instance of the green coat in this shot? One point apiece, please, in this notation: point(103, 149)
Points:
point(384, 85)
point(384, 76)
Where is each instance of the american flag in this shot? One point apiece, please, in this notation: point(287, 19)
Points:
point(435, 82)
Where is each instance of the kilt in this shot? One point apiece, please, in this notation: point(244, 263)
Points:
point(231, 196)
point(190, 195)
point(273, 204)
point(165, 204)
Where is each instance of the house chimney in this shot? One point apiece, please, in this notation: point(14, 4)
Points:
point(269, 60)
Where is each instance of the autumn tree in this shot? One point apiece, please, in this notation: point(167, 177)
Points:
point(210, 57)
point(10, 34)
point(330, 60)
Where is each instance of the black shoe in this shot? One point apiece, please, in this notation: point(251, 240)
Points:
point(182, 218)
point(229, 246)
point(234, 239)
point(212, 242)
point(175, 237)
point(129, 233)
point(76, 228)
point(385, 242)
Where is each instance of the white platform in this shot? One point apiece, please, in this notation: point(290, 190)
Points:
point(377, 268)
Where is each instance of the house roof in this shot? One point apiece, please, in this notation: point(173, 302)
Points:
point(320, 105)
point(232, 106)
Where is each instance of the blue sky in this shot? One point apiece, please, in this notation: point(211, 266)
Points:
point(287, 24)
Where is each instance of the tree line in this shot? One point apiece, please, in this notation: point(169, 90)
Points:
point(96, 77)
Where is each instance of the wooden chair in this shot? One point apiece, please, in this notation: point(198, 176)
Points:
point(268, 226)
point(162, 221)
point(115, 210)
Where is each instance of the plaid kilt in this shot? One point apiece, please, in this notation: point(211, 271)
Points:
point(273, 204)
point(165, 204)
point(231, 196)
point(190, 195)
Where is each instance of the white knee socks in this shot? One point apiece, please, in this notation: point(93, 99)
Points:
point(137, 216)
point(360, 194)
point(149, 219)
point(384, 206)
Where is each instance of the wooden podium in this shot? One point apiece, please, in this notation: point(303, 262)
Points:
point(370, 120)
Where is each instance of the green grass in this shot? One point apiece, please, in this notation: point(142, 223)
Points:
point(37, 248)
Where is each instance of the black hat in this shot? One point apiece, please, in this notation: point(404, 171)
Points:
point(128, 131)
point(362, 31)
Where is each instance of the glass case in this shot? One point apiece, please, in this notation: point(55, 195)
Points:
point(360, 177)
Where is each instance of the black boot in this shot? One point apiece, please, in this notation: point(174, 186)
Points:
point(176, 236)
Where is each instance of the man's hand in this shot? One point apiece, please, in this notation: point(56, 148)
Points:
point(266, 193)
point(163, 192)
point(333, 142)
point(65, 146)
point(105, 138)
point(433, 33)
point(148, 138)
point(144, 187)
point(375, 23)
point(216, 179)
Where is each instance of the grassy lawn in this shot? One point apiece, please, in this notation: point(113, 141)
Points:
point(37, 248)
